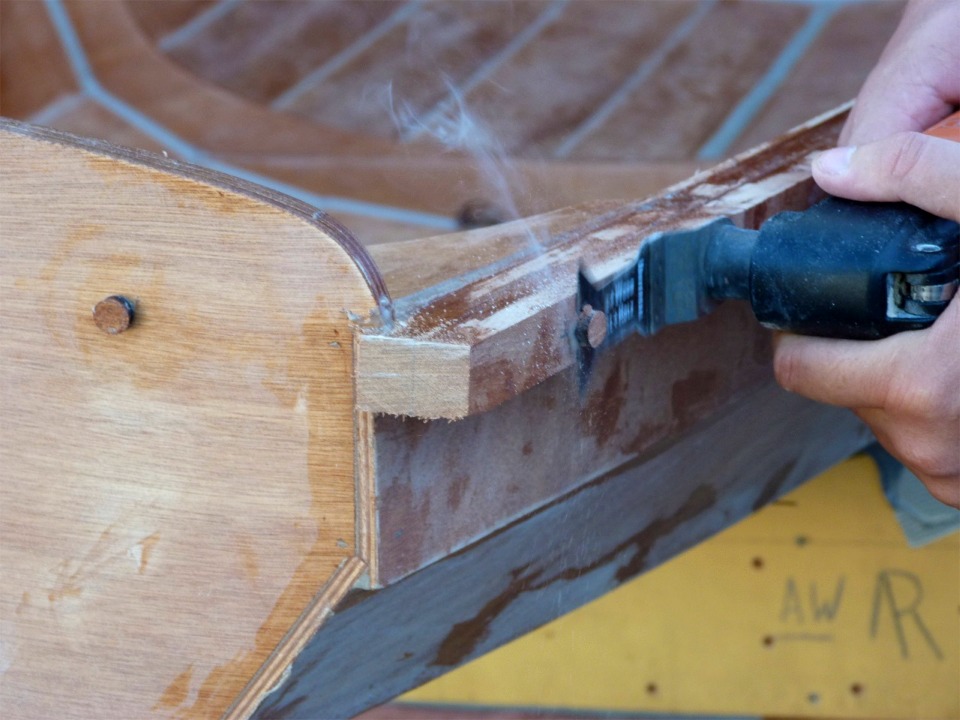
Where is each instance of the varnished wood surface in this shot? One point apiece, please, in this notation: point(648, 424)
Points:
point(178, 500)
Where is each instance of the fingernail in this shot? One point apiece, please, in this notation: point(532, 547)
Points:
point(835, 161)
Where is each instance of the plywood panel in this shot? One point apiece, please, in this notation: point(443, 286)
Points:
point(178, 500)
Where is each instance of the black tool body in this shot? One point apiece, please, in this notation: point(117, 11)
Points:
point(842, 269)
point(839, 269)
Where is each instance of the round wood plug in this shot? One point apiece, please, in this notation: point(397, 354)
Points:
point(591, 327)
point(113, 314)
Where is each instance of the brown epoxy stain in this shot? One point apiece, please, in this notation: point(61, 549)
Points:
point(231, 680)
point(647, 435)
point(773, 485)
point(147, 545)
point(77, 237)
point(601, 416)
point(403, 531)
point(456, 490)
point(176, 693)
point(780, 157)
point(498, 381)
point(248, 558)
point(689, 395)
point(528, 448)
point(464, 637)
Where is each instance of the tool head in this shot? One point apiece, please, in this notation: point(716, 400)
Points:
point(668, 283)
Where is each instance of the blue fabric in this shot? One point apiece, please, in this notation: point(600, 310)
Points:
point(922, 517)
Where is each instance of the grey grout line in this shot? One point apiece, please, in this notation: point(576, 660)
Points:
point(289, 96)
point(517, 43)
point(197, 24)
point(636, 79)
point(59, 106)
point(91, 88)
point(753, 102)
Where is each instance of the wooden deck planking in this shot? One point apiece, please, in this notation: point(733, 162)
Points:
point(85, 117)
point(550, 86)
point(262, 48)
point(830, 72)
point(410, 68)
point(676, 111)
point(158, 19)
point(131, 68)
point(34, 71)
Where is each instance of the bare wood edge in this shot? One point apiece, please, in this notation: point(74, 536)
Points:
point(528, 297)
point(273, 673)
point(366, 503)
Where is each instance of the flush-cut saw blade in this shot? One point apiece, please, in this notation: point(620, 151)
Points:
point(665, 285)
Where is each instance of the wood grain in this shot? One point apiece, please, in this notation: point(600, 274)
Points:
point(187, 486)
point(503, 328)
point(415, 66)
point(317, 158)
point(572, 68)
point(157, 19)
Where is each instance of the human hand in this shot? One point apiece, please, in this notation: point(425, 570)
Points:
point(916, 82)
point(906, 388)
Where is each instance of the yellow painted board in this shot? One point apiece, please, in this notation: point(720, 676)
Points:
point(813, 607)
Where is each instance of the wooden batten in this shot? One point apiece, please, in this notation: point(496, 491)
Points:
point(514, 318)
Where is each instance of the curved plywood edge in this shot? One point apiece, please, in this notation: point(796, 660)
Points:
point(508, 326)
point(178, 502)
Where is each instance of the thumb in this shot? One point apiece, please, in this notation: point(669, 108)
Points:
point(848, 373)
point(918, 169)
